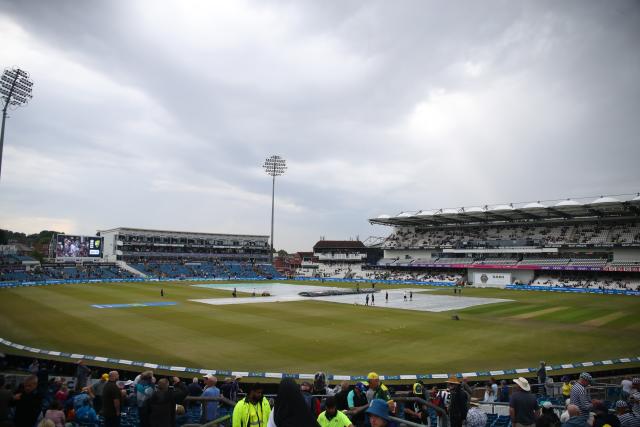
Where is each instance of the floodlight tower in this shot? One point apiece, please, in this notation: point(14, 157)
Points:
point(274, 166)
point(15, 90)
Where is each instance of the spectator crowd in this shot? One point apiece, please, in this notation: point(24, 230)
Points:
point(42, 400)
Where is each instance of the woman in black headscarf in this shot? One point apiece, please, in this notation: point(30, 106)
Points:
point(290, 409)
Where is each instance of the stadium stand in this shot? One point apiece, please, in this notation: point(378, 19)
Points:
point(56, 390)
point(525, 243)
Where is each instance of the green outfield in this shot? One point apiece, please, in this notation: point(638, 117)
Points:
point(308, 336)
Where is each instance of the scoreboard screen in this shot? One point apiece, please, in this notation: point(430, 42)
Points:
point(78, 246)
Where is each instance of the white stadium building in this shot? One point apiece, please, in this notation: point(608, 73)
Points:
point(592, 243)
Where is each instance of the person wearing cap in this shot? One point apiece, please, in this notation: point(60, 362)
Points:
point(625, 416)
point(95, 390)
point(602, 416)
point(253, 410)
point(523, 406)
point(378, 413)
point(111, 401)
point(548, 417)
point(210, 408)
point(377, 390)
point(357, 402)
point(331, 417)
point(458, 402)
point(417, 412)
point(580, 395)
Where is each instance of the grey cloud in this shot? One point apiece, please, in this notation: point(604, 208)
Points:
point(378, 107)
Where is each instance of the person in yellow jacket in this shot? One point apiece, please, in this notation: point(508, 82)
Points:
point(253, 410)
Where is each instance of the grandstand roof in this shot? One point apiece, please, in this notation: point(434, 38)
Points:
point(339, 244)
point(143, 231)
point(625, 205)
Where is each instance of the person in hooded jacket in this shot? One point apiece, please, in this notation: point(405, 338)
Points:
point(290, 409)
point(160, 408)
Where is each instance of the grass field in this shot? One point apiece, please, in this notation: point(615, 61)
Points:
point(312, 335)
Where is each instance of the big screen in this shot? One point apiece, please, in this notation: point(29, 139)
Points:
point(78, 246)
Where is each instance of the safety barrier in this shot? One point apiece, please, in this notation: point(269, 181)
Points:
point(280, 375)
point(573, 290)
point(148, 279)
point(387, 282)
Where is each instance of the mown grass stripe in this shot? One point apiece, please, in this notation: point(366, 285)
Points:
point(537, 313)
point(601, 321)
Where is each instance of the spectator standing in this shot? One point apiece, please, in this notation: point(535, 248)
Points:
point(542, 377)
point(331, 417)
point(357, 399)
point(458, 402)
point(43, 378)
point(377, 390)
point(96, 390)
point(211, 412)
point(253, 410)
point(161, 407)
point(489, 394)
point(566, 387)
point(111, 401)
point(290, 409)
point(55, 414)
point(341, 396)
point(82, 375)
point(313, 403)
point(62, 394)
point(523, 406)
point(626, 417)
point(467, 389)
point(580, 395)
point(416, 411)
point(194, 388)
point(504, 391)
point(5, 401)
point(27, 403)
point(180, 391)
point(144, 390)
point(634, 399)
point(626, 385)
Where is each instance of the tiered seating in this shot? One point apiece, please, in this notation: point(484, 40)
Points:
point(590, 262)
point(496, 261)
point(545, 261)
point(625, 264)
point(414, 238)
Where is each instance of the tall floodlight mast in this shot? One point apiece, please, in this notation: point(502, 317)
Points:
point(274, 166)
point(15, 90)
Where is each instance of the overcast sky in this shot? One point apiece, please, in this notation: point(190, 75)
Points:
point(160, 114)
